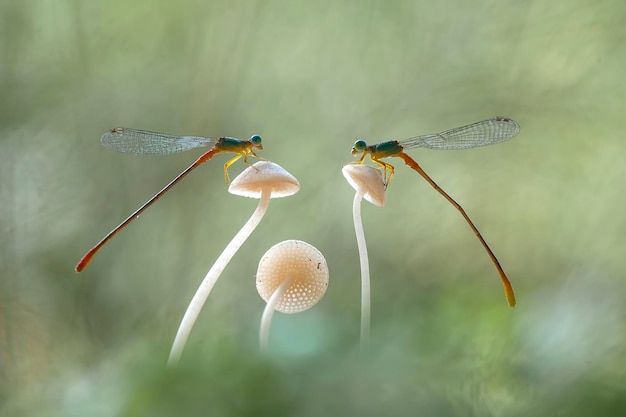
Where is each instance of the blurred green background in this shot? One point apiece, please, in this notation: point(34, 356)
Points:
point(310, 77)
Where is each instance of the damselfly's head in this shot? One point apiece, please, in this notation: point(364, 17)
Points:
point(255, 140)
point(358, 147)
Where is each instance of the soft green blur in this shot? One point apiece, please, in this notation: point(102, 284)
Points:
point(310, 77)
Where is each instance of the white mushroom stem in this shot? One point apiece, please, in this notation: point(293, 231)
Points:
point(365, 269)
point(198, 300)
point(369, 185)
point(268, 313)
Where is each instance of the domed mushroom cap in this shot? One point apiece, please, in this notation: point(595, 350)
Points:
point(264, 175)
point(368, 180)
point(299, 261)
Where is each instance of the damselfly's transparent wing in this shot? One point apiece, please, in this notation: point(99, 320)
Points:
point(141, 142)
point(487, 132)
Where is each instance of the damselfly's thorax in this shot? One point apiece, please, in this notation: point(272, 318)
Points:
point(379, 150)
point(228, 144)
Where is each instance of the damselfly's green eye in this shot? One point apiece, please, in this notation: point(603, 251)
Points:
point(255, 140)
point(359, 145)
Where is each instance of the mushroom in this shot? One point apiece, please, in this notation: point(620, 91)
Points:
point(292, 277)
point(263, 180)
point(368, 183)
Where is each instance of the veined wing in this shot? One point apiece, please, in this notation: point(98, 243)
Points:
point(141, 142)
point(486, 132)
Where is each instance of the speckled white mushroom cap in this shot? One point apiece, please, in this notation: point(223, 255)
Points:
point(368, 180)
point(298, 260)
point(264, 175)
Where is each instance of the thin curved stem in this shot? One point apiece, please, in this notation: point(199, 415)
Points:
point(365, 270)
point(198, 300)
point(268, 313)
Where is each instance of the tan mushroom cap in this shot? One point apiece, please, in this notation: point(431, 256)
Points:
point(298, 260)
point(368, 180)
point(264, 175)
